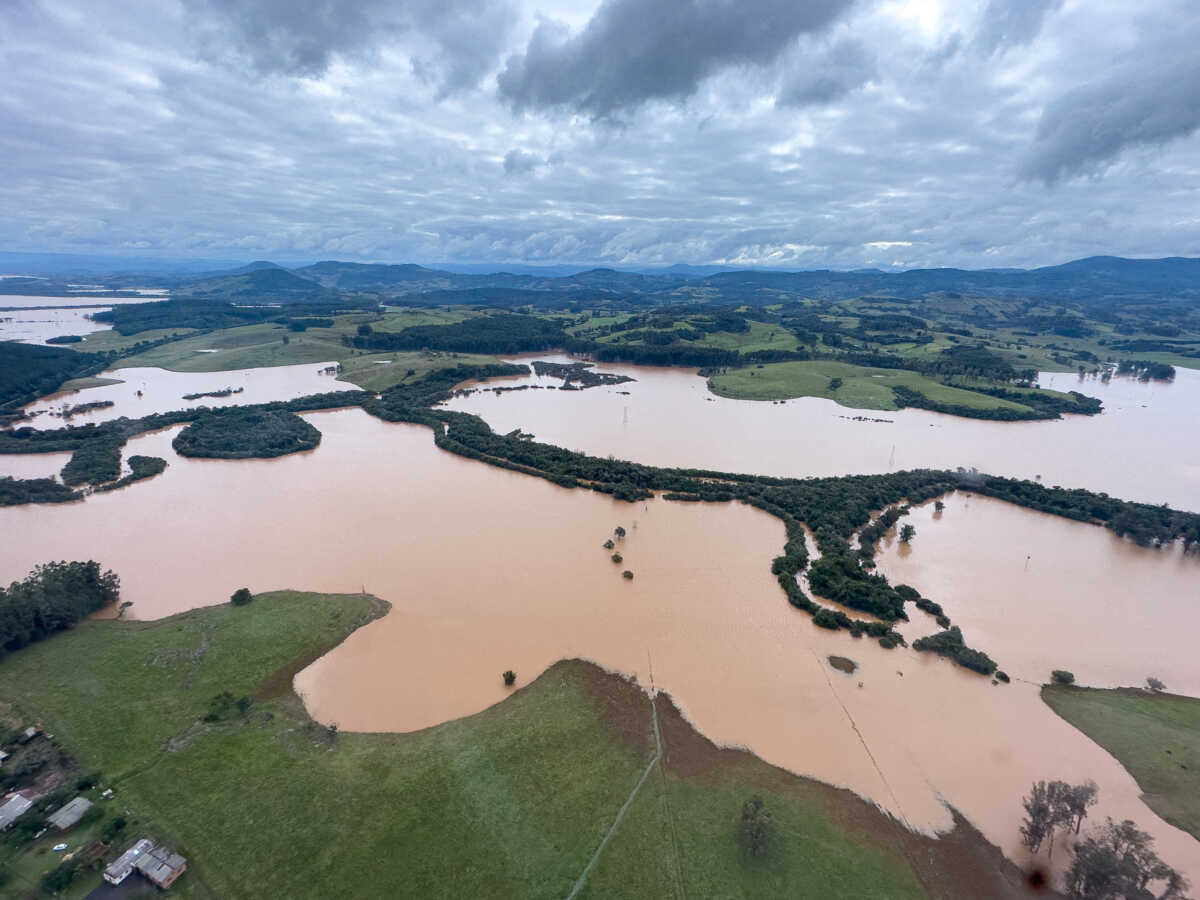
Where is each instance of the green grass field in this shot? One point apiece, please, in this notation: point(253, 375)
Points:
point(251, 346)
point(511, 802)
point(380, 371)
point(761, 336)
point(862, 387)
point(1155, 736)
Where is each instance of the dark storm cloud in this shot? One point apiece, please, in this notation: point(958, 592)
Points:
point(463, 37)
point(828, 75)
point(1012, 22)
point(1148, 99)
point(632, 51)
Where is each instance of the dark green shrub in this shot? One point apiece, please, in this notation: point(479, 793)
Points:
point(241, 597)
point(1062, 676)
point(510, 677)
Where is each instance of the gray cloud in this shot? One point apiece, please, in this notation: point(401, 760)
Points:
point(1012, 22)
point(1149, 99)
point(827, 75)
point(518, 162)
point(460, 40)
point(632, 51)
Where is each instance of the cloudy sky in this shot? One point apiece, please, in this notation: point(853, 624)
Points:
point(795, 133)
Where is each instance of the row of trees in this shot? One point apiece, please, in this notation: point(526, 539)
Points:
point(52, 597)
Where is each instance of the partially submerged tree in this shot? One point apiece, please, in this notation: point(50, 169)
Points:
point(619, 531)
point(1155, 685)
point(510, 677)
point(757, 826)
point(1118, 861)
point(907, 533)
point(1062, 676)
point(1054, 805)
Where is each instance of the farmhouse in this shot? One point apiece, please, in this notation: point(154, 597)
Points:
point(118, 870)
point(162, 866)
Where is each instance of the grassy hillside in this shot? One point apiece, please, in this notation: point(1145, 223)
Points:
point(1155, 736)
point(511, 802)
point(862, 387)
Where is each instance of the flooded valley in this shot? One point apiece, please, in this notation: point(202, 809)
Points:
point(488, 570)
point(1139, 448)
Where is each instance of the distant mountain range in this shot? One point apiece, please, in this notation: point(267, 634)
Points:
point(1108, 277)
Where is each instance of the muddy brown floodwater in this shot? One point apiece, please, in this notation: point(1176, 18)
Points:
point(489, 570)
point(1038, 592)
point(1140, 448)
point(35, 326)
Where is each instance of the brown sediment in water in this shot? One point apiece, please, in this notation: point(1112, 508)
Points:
point(489, 570)
point(1039, 592)
point(1137, 449)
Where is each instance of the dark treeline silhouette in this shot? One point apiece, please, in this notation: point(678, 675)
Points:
point(1146, 370)
point(1041, 406)
point(18, 491)
point(949, 643)
point(237, 432)
point(52, 597)
point(209, 315)
point(94, 462)
point(501, 333)
point(28, 371)
point(140, 468)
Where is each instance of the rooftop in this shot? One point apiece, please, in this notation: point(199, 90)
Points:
point(66, 816)
point(11, 810)
point(161, 865)
point(119, 869)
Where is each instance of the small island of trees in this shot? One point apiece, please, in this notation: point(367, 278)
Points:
point(246, 433)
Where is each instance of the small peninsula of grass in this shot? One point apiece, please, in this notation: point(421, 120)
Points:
point(863, 387)
point(246, 433)
point(1156, 736)
point(524, 790)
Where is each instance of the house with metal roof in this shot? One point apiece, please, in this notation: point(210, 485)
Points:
point(119, 869)
point(66, 816)
point(13, 809)
point(162, 866)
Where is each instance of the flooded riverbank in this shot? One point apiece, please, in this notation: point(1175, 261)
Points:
point(489, 570)
point(143, 391)
point(1139, 448)
point(1038, 592)
point(36, 326)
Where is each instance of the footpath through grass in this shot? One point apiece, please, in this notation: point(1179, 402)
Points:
point(511, 802)
point(1155, 736)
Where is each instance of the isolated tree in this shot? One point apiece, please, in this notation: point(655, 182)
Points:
point(125, 604)
point(618, 558)
point(608, 545)
point(619, 531)
point(1039, 817)
point(907, 533)
point(510, 677)
point(627, 575)
point(1076, 800)
point(1062, 676)
point(1118, 861)
point(938, 505)
point(1155, 685)
point(241, 597)
point(757, 827)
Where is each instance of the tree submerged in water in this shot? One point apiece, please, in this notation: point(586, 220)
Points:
point(619, 531)
point(907, 533)
point(510, 677)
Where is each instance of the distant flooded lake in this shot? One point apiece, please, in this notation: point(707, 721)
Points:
point(163, 391)
point(36, 326)
point(1141, 448)
point(489, 569)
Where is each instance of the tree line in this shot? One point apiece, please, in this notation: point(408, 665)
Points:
point(54, 596)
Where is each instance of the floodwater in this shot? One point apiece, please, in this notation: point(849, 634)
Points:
point(163, 391)
point(1142, 447)
point(35, 326)
point(78, 299)
point(1038, 592)
point(488, 570)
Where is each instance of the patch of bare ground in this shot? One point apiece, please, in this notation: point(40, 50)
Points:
point(961, 863)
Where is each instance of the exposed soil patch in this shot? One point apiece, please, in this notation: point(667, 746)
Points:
point(278, 684)
point(622, 702)
point(957, 864)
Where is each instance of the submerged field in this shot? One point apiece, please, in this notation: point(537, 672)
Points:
point(511, 802)
point(1155, 736)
